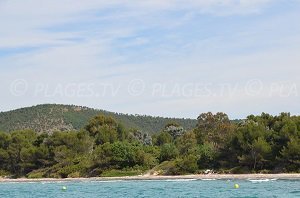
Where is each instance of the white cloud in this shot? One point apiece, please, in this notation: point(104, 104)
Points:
point(21, 21)
point(99, 54)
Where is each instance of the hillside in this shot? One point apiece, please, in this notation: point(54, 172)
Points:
point(52, 117)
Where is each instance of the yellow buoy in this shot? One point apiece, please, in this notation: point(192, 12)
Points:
point(64, 188)
point(236, 186)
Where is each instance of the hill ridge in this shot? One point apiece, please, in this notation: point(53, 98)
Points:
point(54, 117)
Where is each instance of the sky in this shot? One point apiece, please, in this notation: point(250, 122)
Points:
point(169, 58)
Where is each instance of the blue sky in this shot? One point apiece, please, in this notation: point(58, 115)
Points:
point(168, 58)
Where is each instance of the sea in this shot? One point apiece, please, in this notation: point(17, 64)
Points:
point(153, 188)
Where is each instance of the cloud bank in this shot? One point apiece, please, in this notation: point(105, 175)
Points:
point(170, 58)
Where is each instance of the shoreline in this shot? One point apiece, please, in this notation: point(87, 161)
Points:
point(295, 176)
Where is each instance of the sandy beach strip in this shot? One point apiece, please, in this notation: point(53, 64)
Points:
point(152, 177)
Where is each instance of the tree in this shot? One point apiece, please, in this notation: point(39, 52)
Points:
point(162, 138)
point(260, 150)
point(188, 164)
point(123, 154)
point(105, 129)
point(253, 145)
point(106, 134)
point(291, 154)
point(5, 139)
point(207, 154)
point(102, 156)
point(214, 128)
point(4, 159)
point(168, 152)
point(96, 123)
point(4, 156)
point(174, 129)
point(187, 144)
point(139, 136)
point(21, 141)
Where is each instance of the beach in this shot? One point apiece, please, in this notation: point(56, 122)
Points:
point(295, 176)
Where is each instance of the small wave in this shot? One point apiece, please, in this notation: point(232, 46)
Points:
point(179, 180)
point(295, 192)
point(156, 180)
point(51, 182)
point(105, 181)
point(259, 180)
point(208, 179)
point(20, 182)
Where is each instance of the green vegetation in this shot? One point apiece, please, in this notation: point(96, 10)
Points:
point(121, 173)
point(104, 147)
point(52, 117)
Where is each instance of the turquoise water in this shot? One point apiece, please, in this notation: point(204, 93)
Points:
point(159, 188)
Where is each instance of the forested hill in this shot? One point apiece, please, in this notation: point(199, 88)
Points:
point(54, 117)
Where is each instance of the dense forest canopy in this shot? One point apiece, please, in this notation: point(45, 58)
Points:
point(53, 117)
point(104, 147)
